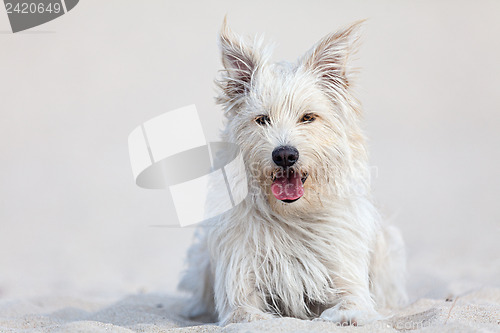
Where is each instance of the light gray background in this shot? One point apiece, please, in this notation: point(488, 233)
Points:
point(71, 219)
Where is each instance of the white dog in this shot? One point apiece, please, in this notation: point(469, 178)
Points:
point(307, 240)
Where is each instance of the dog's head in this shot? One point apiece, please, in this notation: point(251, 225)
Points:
point(296, 123)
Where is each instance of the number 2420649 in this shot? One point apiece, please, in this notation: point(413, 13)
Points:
point(32, 8)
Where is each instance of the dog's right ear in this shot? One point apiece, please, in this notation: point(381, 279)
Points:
point(240, 62)
point(330, 57)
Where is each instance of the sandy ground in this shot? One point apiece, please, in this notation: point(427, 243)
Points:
point(474, 311)
point(83, 249)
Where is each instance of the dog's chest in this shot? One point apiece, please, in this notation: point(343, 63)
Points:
point(294, 273)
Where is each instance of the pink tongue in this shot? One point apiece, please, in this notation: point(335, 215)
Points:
point(288, 188)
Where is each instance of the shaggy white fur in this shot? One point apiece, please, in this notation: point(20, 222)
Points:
point(324, 255)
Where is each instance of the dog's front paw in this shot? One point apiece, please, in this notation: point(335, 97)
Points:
point(242, 315)
point(347, 317)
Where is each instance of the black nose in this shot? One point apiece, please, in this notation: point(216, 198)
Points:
point(285, 156)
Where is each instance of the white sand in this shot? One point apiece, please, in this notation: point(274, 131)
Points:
point(475, 311)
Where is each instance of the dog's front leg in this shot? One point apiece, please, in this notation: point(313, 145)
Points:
point(243, 314)
point(355, 305)
point(346, 313)
point(237, 300)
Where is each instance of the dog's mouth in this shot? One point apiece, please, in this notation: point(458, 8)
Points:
point(288, 184)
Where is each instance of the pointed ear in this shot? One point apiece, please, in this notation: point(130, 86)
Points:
point(329, 58)
point(240, 62)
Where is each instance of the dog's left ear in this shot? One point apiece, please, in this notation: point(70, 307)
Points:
point(240, 60)
point(329, 58)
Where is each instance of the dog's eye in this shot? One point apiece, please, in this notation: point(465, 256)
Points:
point(308, 118)
point(262, 120)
